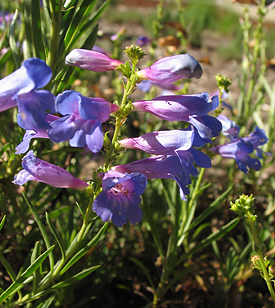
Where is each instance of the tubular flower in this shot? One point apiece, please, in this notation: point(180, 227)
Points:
point(120, 198)
point(39, 170)
point(189, 108)
point(173, 142)
point(17, 89)
point(161, 142)
point(34, 133)
point(170, 69)
point(82, 120)
point(229, 128)
point(170, 167)
point(33, 107)
point(239, 149)
point(91, 60)
point(145, 86)
point(143, 40)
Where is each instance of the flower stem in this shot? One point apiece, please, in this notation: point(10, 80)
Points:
point(261, 257)
point(52, 276)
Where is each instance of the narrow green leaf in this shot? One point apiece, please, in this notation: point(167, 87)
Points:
point(75, 25)
point(4, 148)
point(85, 249)
point(212, 207)
point(36, 274)
point(75, 278)
point(150, 218)
point(25, 276)
point(13, 40)
point(47, 303)
point(57, 237)
point(177, 277)
point(8, 267)
point(94, 17)
point(28, 28)
point(90, 40)
point(2, 222)
point(42, 229)
point(212, 237)
point(145, 270)
point(36, 29)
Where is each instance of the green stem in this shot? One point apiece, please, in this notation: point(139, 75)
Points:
point(261, 257)
point(70, 252)
point(120, 120)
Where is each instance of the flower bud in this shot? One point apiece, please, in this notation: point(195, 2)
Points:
point(91, 60)
point(170, 69)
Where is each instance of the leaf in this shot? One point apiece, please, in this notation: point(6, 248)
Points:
point(83, 12)
point(36, 29)
point(75, 278)
point(42, 230)
point(13, 40)
point(212, 207)
point(36, 275)
point(57, 237)
point(85, 249)
point(212, 237)
point(8, 267)
point(2, 222)
point(25, 276)
point(145, 270)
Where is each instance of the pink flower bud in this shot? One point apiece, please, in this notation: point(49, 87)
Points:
point(170, 69)
point(91, 60)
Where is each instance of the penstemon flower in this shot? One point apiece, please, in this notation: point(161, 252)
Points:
point(240, 148)
point(170, 167)
point(189, 108)
point(81, 121)
point(91, 60)
point(19, 89)
point(39, 170)
point(120, 198)
point(170, 69)
point(34, 133)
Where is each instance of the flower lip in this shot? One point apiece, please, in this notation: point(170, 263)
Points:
point(120, 198)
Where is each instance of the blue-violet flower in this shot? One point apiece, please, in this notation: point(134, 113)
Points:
point(39, 170)
point(81, 121)
point(120, 198)
point(170, 69)
point(32, 75)
point(170, 167)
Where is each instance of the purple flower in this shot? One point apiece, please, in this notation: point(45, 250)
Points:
point(189, 108)
point(229, 128)
point(91, 60)
point(142, 40)
point(161, 142)
point(34, 133)
point(101, 50)
point(178, 107)
point(82, 120)
point(33, 74)
point(170, 69)
point(239, 149)
point(33, 107)
point(170, 167)
point(120, 198)
point(173, 142)
point(39, 170)
point(145, 86)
